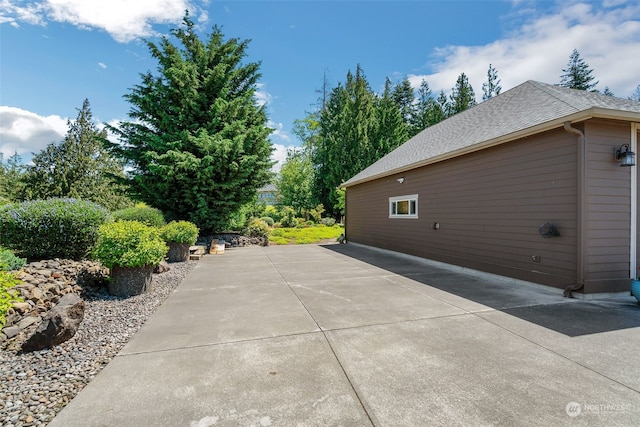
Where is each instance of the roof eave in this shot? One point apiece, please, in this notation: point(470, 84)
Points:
point(594, 112)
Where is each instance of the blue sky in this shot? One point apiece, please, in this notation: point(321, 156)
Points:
point(56, 53)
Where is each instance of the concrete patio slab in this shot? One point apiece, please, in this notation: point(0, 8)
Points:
point(285, 381)
point(349, 303)
point(462, 370)
point(224, 314)
point(598, 338)
point(402, 344)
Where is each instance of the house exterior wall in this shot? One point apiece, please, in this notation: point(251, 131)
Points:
point(608, 208)
point(489, 205)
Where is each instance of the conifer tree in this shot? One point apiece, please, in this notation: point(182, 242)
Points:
point(197, 140)
point(79, 167)
point(492, 86)
point(462, 96)
point(428, 110)
point(578, 75)
point(404, 98)
point(391, 126)
point(635, 96)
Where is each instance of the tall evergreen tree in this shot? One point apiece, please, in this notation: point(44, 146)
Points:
point(404, 97)
point(492, 86)
point(462, 96)
point(12, 172)
point(635, 96)
point(198, 141)
point(428, 110)
point(356, 128)
point(392, 130)
point(79, 167)
point(578, 75)
point(445, 105)
point(347, 127)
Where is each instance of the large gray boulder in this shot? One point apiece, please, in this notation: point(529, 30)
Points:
point(58, 325)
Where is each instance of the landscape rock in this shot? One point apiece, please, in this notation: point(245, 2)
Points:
point(59, 324)
point(163, 267)
point(42, 285)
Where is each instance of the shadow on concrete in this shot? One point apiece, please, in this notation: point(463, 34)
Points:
point(546, 308)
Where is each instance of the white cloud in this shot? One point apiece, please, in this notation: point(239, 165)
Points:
point(124, 20)
point(102, 65)
point(607, 39)
point(279, 155)
point(262, 97)
point(23, 132)
point(278, 131)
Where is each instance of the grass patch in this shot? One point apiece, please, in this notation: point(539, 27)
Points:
point(301, 236)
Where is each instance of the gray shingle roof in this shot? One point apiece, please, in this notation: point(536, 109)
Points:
point(524, 110)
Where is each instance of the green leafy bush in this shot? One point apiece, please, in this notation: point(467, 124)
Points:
point(53, 228)
point(288, 217)
point(257, 228)
point(328, 221)
point(268, 220)
point(8, 296)
point(180, 232)
point(129, 244)
point(141, 213)
point(10, 262)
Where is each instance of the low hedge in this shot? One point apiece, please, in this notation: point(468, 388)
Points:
point(129, 244)
point(53, 228)
point(141, 213)
point(180, 232)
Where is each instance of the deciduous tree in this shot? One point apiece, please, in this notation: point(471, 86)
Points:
point(295, 182)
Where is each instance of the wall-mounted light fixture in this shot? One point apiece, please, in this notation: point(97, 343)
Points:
point(625, 155)
point(400, 180)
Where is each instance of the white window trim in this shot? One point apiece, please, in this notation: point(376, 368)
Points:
point(409, 198)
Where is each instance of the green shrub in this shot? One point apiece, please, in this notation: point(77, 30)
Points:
point(274, 212)
point(10, 262)
point(141, 213)
point(129, 244)
point(53, 228)
point(257, 228)
point(329, 222)
point(8, 296)
point(180, 232)
point(288, 217)
point(268, 220)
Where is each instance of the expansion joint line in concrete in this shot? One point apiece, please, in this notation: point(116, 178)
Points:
point(324, 334)
point(556, 353)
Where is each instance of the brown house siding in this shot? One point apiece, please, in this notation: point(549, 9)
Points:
point(489, 205)
point(608, 208)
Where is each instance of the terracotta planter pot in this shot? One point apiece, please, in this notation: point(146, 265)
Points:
point(178, 252)
point(129, 281)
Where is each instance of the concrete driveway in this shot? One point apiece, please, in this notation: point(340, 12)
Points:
point(344, 335)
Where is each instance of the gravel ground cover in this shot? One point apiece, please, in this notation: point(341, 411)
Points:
point(35, 386)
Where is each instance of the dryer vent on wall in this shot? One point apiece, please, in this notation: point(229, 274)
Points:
point(548, 230)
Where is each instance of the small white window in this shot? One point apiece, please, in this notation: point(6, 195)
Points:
point(403, 206)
